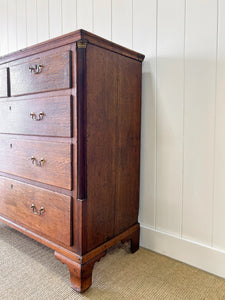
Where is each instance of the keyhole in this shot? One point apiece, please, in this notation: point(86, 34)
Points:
point(10, 108)
point(10, 145)
point(11, 186)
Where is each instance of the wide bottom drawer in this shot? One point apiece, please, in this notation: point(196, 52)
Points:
point(47, 213)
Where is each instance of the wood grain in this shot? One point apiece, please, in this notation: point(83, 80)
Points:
point(15, 116)
point(128, 144)
point(80, 274)
point(15, 203)
point(101, 141)
point(69, 38)
point(96, 160)
point(15, 158)
point(55, 74)
point(3, 83)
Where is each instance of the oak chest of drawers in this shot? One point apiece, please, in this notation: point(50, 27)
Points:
point(69, 147)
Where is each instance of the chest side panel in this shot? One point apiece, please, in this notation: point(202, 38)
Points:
point(101, 139)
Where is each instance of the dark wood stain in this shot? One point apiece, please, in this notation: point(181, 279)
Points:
point(128, 144)
point(101, 141)
point(54, 75)
point(15, 116)
point(89, 90)
point(15, 158)
point(15, 203)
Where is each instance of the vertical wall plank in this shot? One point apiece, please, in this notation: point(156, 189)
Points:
point(55, 18)
point(219, 195)
point(146, 18)
point(3, 27)
point(21, 24)
point(42, 20)
point(122, 22)
point(12, 26)
point(69, 15)
point(170, 85)
point(84, 14)
point(200, 66)
point(31, 22)
point(102, 18)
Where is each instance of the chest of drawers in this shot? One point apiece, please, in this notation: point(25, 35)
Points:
point(70, 146)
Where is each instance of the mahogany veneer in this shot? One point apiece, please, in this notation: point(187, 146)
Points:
point(70, 113)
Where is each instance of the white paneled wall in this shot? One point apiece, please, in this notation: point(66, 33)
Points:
point(169, 114)
point(182, 196)
point(199, 119)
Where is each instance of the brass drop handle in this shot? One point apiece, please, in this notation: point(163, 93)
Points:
point(36, 69)
point(35, 117)
point(37, 212)
point(36, 162)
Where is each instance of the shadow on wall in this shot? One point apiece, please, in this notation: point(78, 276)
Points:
point(174, 124)
point(148, 146)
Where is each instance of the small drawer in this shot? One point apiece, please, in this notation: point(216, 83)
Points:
point(3, 82)
point(47, 117)
point(43, 211)
point(41, 74)
point(46, 162)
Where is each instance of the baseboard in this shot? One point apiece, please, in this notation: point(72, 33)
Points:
point(198, 255)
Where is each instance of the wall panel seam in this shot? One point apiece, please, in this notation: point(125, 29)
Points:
point(26, 21)
point(184, 98)
point(7, 24)
point(36, 5)
point(132, 24)
point(48, 20)
point(156, 114)
point(76, 14)
point(214, 132)
point(111, 20)
point(92, 11)
point(61, 16)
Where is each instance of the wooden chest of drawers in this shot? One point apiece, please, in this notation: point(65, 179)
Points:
point(69, 147)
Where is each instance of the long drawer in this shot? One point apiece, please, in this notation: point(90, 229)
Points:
point(40, 74)
point(3, 83)
point(41, 116)
point(46, 162)
point(37, 209)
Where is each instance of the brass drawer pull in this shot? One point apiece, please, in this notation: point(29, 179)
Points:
point(36, 69)
point(37, 212)
point(37, 163)
point(35, 117)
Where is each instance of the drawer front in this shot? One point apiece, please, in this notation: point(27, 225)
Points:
point(24, 158)
point(48, 117)
point(42, 74)
point(22, 202)
point(3, 83)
